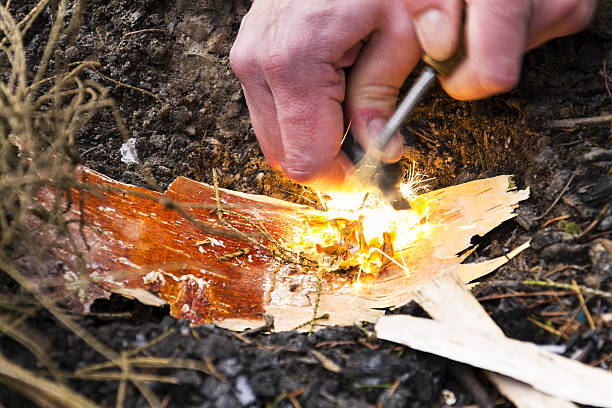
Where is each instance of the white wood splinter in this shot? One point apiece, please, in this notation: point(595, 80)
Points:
point(463, 331)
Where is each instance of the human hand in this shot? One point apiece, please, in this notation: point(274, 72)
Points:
point(290, 57)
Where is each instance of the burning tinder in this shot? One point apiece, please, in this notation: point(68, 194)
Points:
point(360, 232)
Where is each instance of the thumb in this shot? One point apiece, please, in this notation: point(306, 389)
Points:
point(376, 77)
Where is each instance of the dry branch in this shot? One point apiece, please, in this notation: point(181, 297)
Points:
point(447, 301)
point(545, 371)
point(570, 123)
point(457, 311)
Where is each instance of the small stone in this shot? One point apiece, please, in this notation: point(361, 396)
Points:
point(157, 51)
point(164, 171)
point(265, 383)
point(229, 367)
point(134, 17)
point(181, 116)
point(563, 252)
point(244, 392)
point(198, 28)
point(216, 347)
point(596, 155)
point(449, 397)
point(188, 377)
point(190, 130)
point(214, 388)
point(526, 217)
point(227, 401)
point(72, 53)
point(218, 41)
point(597, 191)
point(546, 238)
point(605, 224)
point(584, 211)
point(545, 156)
point(128, 151)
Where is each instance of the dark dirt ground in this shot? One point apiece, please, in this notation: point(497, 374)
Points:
point(198, 121)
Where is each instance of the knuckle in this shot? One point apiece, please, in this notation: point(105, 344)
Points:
point(243, 63)
point(304, 170)
point(297, 53)
point(401, 30)
point(417, 7)
point(498, 79)
point(300, 174)
point(508, 10)
point(277, 64)
point(580, 14)
point(574, 15)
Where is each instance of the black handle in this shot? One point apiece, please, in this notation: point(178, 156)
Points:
point(352, 149)
point(388, 177)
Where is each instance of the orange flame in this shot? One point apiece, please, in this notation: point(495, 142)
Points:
point(361, 231)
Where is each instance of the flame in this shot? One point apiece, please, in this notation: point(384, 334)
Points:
point(360, 231)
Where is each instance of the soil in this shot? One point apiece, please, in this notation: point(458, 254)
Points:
point(197, 121)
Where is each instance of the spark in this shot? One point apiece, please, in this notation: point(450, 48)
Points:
point(360, 231)
point(392, 260)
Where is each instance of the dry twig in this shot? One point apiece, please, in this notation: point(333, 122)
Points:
point(563, 191)
point(571, 123)
point(146, 30)
point(583, 305)
point(43, 392)
point(594, 223)
point(587, 290)
point(605, 74)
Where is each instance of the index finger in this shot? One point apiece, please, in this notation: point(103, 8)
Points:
point(309, 112)
point(307, 81)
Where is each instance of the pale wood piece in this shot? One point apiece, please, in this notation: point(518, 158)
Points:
point(525, 396)
point(480, 345)
point(447, 301)
point(472, 271)
point(545, 371)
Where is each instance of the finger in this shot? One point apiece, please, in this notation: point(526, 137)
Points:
point(264, 121)
point(496, 39)
point(437, 24)
point(556, 18)
point(308, 85)
point(332, 176)
point(375, 79)
point(260, 102)
point(310, 118)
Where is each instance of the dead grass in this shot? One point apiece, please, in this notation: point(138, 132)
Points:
point(42, 110)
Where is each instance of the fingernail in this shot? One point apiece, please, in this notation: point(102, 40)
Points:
point(393, 150)
point(434, 33)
